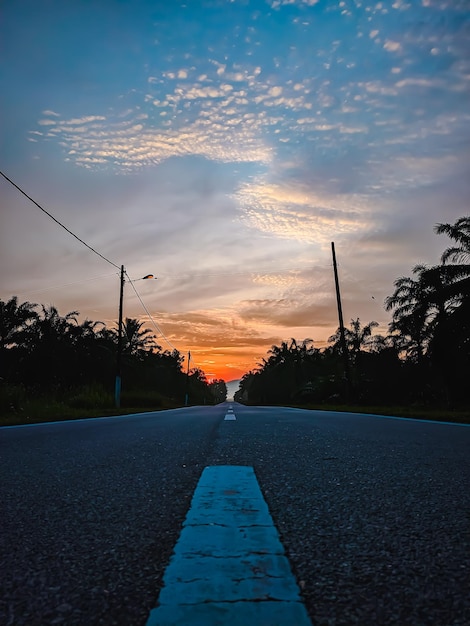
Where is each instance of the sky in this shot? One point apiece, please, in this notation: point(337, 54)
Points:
point(222, 146)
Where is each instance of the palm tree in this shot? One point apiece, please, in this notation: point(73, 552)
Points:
point(422, 306)
point(459, 232)
point(357, 338)
point(454, 334)
point(287, 369)
point(50, 325)
point(299, 355)
point(278, 355)
point(85, 334)
point(51, 352)
point(433, 310)
point(410, 302)
point(456, 274)
point(14, 320)
point(139, 339)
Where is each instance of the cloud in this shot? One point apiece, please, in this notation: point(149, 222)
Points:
point(208, 329)
point(84, 120)
point(392, 46)
point(130, 145)
point(275, 4)
point(293, 212)
point(324, 127)
point(193, 93)
point(220, 341)
point(228, 114)
point(421, 82)
point(293, 277)
point(275, 91)
point(400, 5)
point(290, 313)
point(352, 130)
point(292, 136)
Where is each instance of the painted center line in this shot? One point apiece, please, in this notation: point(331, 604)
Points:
point(229, 567)
point(230, 416)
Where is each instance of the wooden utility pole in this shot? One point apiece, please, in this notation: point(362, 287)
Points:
point(117, 387)
point(344, 348)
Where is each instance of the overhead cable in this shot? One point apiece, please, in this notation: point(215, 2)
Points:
point(157, 328)
point(75, 282)
point(57, 221)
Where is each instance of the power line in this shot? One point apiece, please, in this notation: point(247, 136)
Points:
point(75, 282)
point(157, 328)
point(57, 221)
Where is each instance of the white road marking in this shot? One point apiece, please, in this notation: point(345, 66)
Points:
point(229, 567)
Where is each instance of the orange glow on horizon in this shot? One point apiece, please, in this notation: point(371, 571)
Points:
point(223, 372)
point(231, 362)
point(227, 367)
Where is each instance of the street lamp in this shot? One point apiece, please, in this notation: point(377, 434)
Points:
point(117, 386)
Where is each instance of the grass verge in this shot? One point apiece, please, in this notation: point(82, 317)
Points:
point(459, 416)
point(20, 407)
point(17, 406)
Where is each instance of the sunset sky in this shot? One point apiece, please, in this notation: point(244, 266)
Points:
point(222, 146)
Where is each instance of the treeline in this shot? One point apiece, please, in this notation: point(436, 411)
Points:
point(49, 355)
point(424, 359)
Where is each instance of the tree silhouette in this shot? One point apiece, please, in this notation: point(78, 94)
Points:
point(48, 353)
point(460, 233)
point(137, 338)
point(15, 337)
point(15, 319)
point(410, 305)
point(424, 358)
point(450, 345)
point(357, 337)
point(218, 389)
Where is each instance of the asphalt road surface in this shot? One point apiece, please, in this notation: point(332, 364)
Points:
point(374, 513)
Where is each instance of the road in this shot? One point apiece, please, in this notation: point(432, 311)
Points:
point(374, 513)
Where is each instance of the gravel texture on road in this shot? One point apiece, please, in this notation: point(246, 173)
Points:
point(91, 514)
point(374, 513)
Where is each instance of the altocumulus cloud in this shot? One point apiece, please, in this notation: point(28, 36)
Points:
point(289, 212)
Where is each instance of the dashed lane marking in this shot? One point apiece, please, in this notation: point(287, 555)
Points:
point(229, 567)
point(229, 416)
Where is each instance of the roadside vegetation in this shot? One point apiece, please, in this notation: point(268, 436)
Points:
point(54, 367)
point(421, 368)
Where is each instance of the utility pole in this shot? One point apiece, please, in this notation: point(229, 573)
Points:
point(186, 397)
point(117, 388)
point(342, 336)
